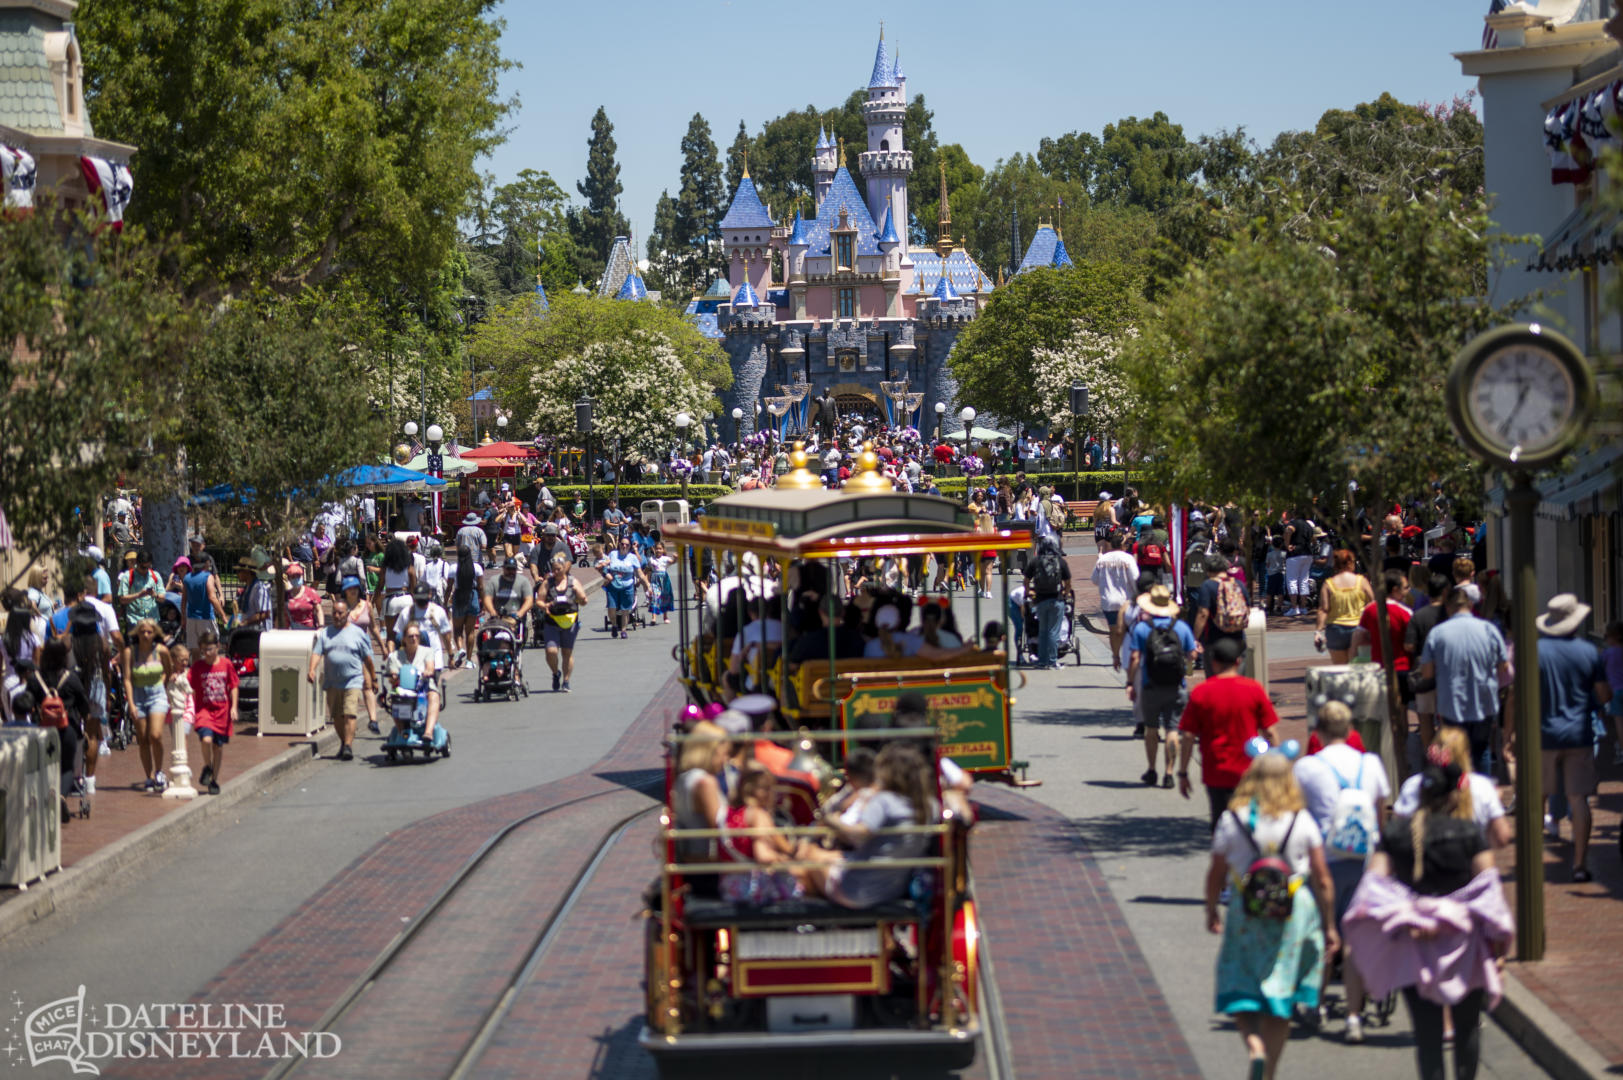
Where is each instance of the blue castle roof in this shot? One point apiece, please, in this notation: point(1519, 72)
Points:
point(1061, 256)
point(887, 231)
point(1041, 251)
point(745, 296)
point(718, 290)
point(896, 69)
point(798, 234)
point(632, 288)
point(746, 212)
point(883, 73)
point(943, 289)
point(960, 269)
point(541, 296)
point(842, 194)
point(823, 141)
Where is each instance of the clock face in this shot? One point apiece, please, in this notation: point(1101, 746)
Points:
point(1522, 397)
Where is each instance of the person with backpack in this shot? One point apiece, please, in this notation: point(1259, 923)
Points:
point(1220, 607)
point(1162, 645)
point(1346, 791)
point(61, 702)
point(1224, 713)
point(1280, 923)
point(1048, 580)
point(1154, 551)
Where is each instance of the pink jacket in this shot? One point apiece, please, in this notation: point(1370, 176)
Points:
point(1380, 927)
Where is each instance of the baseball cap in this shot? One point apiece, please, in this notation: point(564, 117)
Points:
point(93, 553)
point(422, 594)
point(351, 582)
point(510, 563)
point(295, 570)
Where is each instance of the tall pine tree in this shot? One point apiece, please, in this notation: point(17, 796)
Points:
point(735, 163)
point(698, 209)
point(597, 223)
point(665, 255)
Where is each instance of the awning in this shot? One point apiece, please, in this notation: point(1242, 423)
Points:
point(1586, 237)
point(1589, 487)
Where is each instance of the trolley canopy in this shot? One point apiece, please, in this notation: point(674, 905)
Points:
point(815, 523)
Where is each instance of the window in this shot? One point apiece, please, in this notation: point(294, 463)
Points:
point(884, 144)
point(848, 303)
point(844, 248)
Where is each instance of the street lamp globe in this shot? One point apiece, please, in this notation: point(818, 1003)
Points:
point(410, 428)
point(501, 421)
point(940, 407)
point(435, 433)
point(967, 415)
point(738, 414)
point(683, 420)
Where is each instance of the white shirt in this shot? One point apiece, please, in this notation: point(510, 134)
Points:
point(109, 617)
point(432, 622)
point(1317, 776)
point(1116, 575)
point(1230, 839)
point(751, 634)
point(433, 574)
point(1485, 804)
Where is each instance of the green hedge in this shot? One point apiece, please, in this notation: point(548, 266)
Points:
point(1073, 487)
point(635, 493)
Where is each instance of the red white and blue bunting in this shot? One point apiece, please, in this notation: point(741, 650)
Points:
point(1575, 132)
point(19, 173)
point(112, 182)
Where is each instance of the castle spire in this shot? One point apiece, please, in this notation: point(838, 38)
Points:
point(842, 151)
point(746, 164)
point(943, 237)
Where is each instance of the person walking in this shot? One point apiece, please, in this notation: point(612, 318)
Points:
point(213, 680)
point(463, 581)
point(1572, 691)
point(1276, 933)
point(138, 590)
point(1115, 575)
point(1221, 611)
point(398, 578)
point(205, 604)
point(1224, 713)
point(1162, 646)
point(1341, 605)
point(1298, 562)
point(343, 653)
point(622, 572)
point(1466, 658)
point(472, 533)
point(304, 609)
point(1433, 862)
point(1346, 791)
point(1421, 624)
point(146, 668)
point(1048, 581)
point(563, 597)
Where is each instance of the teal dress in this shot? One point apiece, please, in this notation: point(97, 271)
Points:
point(1270, 965)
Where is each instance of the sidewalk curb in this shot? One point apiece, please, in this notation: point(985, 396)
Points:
point(1546, 1037)
point(66, 888)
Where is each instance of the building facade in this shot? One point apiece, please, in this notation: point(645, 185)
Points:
point(1550, 75)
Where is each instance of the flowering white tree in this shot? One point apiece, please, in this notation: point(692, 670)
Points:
point(1092, 359)
point(638, 384)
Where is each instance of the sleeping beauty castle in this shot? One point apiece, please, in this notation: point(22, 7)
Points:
point(841, 301)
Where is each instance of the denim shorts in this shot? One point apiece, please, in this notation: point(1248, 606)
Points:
point(149, 700)
point(1338, 638)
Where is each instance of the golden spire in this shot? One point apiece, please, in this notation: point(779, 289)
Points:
point(842, 151)
point(866, 478)
point(800, 478)
point(1000, 277)
point(943, 236)
point(746, 164)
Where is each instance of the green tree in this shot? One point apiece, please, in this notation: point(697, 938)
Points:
point(528, 216)
point(962, 174)
point(737, 155)
point(291, 144)
point(522, 350)
point(664, 256)
point(994, 359)
point(1143, 163)
point(699, 206)
point(595, 225)
point(97, 338)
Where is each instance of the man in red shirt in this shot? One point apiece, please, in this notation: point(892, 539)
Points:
point(1398, 615)
point(1224, 713)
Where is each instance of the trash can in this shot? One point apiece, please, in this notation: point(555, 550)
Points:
point(30, 799)
point(1362, 688)
point(289, 704)
point(1255, 662)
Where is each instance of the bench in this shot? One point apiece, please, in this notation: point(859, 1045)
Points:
point(1082, 512)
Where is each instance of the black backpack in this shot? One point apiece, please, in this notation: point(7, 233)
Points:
point(1164, 656)
point(1049, 574)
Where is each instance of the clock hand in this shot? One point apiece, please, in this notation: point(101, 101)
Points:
point(1521, 399)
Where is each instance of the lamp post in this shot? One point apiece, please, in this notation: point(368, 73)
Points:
point(583, 427)
point(682, 422)
point(967, 416)
point(940, 414)
point(738, 424)
point(1079, 412)
point(436, 468)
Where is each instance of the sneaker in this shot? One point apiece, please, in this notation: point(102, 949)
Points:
point(103, 751)
point(90, 785)
point(1355, 1029)
point(148, 785)
point(1138, 731)
point(159, 782)
point(346, 753)
point(1167, 781)
point(214, 788)
point(557, 681)
point(1148, 777)
point(372, 726)
point(565, 687)
point(207, 776)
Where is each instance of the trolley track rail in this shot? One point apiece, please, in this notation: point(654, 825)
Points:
point(541, 941)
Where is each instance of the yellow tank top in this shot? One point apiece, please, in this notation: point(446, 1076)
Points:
point(1346, 605)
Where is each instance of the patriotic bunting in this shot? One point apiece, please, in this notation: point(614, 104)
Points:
point(20, 172)
point(1576, 131)
point(112, 182)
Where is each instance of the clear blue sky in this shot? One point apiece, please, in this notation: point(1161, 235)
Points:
point(999, 76)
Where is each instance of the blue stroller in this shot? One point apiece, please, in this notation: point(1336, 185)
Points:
point(408, 704)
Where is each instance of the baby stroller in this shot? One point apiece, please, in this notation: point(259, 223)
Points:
point(501, 662)
point(579, 548)
point(637, 617)
point(1068, 645)
point(408, 704)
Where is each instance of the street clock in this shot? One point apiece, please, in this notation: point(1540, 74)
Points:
point(1520, 396)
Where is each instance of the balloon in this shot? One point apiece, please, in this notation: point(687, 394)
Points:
point(1255, 746)
point(713, 710)
point(1292, 749)
point(692, 714)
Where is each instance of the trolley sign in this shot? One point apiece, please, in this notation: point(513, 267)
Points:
point(972, 716)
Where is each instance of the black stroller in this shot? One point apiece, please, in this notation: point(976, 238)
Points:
point(501, 661)
point(1068, 645)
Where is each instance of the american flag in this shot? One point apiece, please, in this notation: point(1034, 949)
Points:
point(1490, 39)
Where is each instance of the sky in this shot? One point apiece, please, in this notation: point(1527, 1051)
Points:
point(998, 76)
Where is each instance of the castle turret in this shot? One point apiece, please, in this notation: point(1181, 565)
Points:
point(886, 164)
point(825, 162)
point(746, 234)
point(799, 244)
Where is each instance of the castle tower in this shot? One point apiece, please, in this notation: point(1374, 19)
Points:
point(825, 162)
point(746, 235)
point(886, 163)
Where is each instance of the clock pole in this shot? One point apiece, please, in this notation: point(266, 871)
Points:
point(1521, 502)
